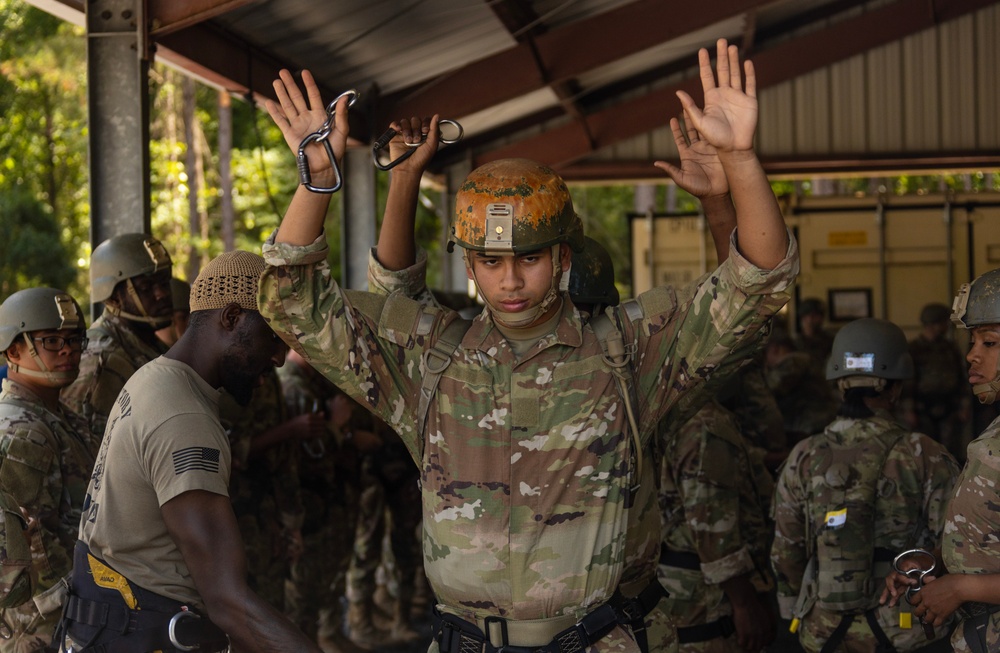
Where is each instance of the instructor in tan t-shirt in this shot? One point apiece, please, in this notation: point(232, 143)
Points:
point(160, 564)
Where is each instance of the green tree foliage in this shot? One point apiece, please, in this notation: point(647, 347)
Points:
point(30, 249)
point(43, 147)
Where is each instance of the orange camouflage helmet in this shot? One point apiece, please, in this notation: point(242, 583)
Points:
point(512, 206)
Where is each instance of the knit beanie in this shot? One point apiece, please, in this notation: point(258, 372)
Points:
point(230, 277)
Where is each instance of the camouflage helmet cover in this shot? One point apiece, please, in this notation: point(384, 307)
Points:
point(870, 347)
point(592, 277)
point(978, 303)
point(123, 257)
point(36, 309)
point(512, 206)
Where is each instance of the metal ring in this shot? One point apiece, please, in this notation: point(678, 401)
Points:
point(172, 629)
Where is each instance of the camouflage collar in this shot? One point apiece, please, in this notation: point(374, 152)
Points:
point(484, 336)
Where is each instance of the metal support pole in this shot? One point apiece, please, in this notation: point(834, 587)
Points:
point(358, 218)
point(118, 108)
point(882, 257)
point(453, 276)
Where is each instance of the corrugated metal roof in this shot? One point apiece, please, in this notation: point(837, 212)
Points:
point(588, 85)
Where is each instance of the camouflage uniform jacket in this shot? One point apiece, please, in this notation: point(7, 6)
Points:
point(714, 498)
point(45, 465)
point(524, 464)
point(643, 528)
point(111, 358)
point(805, 399)
point(912, 496)
point(971, 540)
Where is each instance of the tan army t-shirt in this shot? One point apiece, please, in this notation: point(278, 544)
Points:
point(163, 439)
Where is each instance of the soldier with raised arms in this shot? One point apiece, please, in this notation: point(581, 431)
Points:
point(528, 463)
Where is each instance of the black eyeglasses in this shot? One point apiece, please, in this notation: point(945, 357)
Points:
point(56, 343)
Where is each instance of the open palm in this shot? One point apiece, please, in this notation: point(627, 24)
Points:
point(729, 118)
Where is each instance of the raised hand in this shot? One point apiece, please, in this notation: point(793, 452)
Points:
point(700, 172)
point(729, 118)
point(298, 115)
point(414, 130)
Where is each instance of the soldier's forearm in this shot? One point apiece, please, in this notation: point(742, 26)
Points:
point(762, 237)
point(396, 248)
point(303, 221)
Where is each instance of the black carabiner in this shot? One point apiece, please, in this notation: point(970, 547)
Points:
point(323, 135)
point(390, 133)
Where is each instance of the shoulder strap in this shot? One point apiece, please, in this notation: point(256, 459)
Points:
point(436, 361)
point(619, 359)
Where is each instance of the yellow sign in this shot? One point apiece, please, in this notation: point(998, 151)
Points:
point(848, 238)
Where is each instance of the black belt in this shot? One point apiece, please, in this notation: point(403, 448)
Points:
point(98, 620)
point(681, 559)
point(152, 631)
point(722, 627)
point(690, 560)
point(456, 635)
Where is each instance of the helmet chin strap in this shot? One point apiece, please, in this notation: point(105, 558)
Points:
point(986, 393)
point(521, 319)
point(56, 379)
point(145, 318)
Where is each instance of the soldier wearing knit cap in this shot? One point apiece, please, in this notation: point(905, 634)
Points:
point(159, 547)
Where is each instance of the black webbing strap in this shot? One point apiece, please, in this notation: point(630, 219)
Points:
point(884, 643)
point(838, 634)
point(634, 610)
point(722, 627)
point(681, 559)
point(974, 632)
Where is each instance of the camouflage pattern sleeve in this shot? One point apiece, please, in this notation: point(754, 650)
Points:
point(374, 342)
point(970, 544)
point(789, 551)
point(15, 556)
point(709, 469)
point(30, 473)
point(411, 281)
point(939, 472)
point(703, 332)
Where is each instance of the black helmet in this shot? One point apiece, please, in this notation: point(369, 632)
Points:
point(592, 277)
point(867, 350)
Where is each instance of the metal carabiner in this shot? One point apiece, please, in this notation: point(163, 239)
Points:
point(917, 573)
point(322, 135)
point(314, 451)
point(172, 629)
point(390, 133)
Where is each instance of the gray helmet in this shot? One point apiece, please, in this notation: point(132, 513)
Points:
point(934, 313)
point(592, 277)
point(871, 348)
point(978, 303)
point(811, 305)
point(35, 309)
point(123, 257)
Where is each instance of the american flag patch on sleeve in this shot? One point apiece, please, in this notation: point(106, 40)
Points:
point(203, 459)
